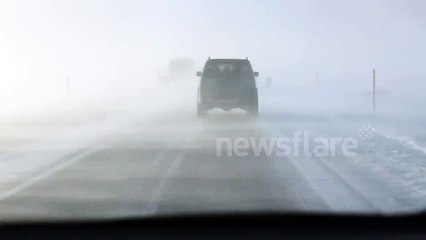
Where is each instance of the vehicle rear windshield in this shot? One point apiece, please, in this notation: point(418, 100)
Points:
point(228, 71)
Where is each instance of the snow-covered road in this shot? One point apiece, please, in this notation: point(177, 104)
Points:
point(166, 162)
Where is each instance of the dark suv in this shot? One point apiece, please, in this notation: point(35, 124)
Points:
point(227, 84)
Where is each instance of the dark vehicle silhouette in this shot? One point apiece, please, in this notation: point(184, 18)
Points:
point(227, 84)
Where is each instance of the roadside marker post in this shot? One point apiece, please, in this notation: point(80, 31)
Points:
point(317, 80)
point(374, 90)
point(68, 86)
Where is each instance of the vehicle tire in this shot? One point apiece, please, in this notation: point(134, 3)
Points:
point(201, 110)
point(254, 111)
point(254, 108)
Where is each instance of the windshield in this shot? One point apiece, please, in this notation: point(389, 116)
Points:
point(228, 72)
point(103, 114)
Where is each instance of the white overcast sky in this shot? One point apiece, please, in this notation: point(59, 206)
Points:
point(114, 46)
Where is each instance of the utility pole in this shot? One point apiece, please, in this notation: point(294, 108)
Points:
point(374, 90)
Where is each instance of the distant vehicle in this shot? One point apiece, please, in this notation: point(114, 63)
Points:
point(179, 69)
point(227, 84)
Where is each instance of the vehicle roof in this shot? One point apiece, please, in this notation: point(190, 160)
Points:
point(227, 60)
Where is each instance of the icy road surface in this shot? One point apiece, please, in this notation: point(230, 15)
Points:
point(166, 163)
